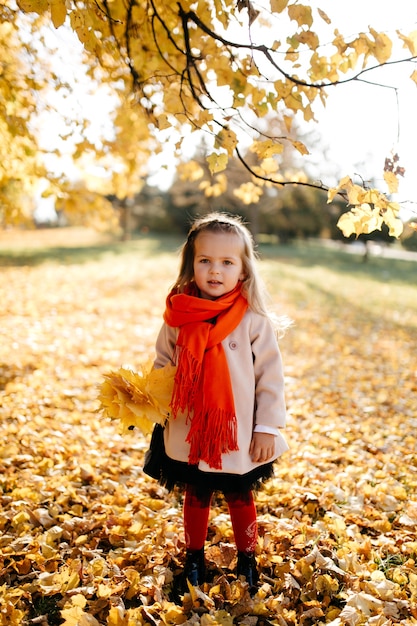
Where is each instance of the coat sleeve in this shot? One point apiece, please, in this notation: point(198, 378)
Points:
point(165, 346)
point(270, 408)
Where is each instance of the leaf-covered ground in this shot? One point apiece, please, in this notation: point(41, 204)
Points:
point(87, 539)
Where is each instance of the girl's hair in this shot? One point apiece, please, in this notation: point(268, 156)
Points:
point(253, 287)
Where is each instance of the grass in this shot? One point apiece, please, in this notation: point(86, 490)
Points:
point(315, 254)
point(307, 271)
point(69, 246)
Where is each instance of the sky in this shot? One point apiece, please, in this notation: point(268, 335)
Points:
point(383, 121)
point(360, 126)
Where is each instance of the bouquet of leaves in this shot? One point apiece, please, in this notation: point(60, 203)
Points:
point(138, 399)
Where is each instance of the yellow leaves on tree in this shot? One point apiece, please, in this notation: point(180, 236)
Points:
point(302, 14)
point(137, 399)
point(58, 12)
point(215, 188)
point(217, 162)
point(35, 6)
point(410, 41)
point(277, 6)
point(383, 46)
point(81, 23)
point(300, 146)
point(21, 163)
point(371, 209)
point(414, 76)
point(267, 148)
point(191, 170)
point(392, 181)
point(82, 205)
point(248, 193)
point(269, 166)
point(227, 140)
point(185, 74)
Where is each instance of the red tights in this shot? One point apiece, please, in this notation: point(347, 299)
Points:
point(242, 514)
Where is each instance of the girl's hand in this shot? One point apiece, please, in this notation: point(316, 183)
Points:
point(262, 447)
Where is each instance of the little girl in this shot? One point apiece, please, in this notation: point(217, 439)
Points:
point(228, 399)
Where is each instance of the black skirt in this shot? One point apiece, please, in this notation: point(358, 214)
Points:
point(171, 473)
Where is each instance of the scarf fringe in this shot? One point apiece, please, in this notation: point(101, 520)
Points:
point(212, 437)
point(186, 383)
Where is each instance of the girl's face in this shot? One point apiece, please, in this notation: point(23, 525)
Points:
point(218, 264)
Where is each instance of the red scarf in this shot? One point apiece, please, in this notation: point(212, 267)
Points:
point(202, 384)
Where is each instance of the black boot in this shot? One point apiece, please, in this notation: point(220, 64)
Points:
point(194, 568)
point(246, 566)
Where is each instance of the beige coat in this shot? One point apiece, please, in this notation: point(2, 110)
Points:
point(257, 379)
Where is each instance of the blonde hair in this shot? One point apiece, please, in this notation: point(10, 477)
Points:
point(253, 287)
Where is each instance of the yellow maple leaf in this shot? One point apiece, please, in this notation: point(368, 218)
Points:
point(58, 12)
point(163, 122)
point(226, 139)
point(37, 6)
point(74, 615)
point(217, 162)
point(309, 38)
point(369, 196)
point(174, 615)
point(203, 117)
point(277, 6)
point(294, 101)
point(371, 221)
point(301, 14)
point(68, 579)
point(117, 617)
point(410, 41)
point(383, 46)
point(266, 149)
point(331, 194)
point(392, 181)
point(349, 224)
point(354, 193)
point(288, 120)
point(298, 145)
point(392, 220)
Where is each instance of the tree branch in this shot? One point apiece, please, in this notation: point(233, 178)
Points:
point(191, 15)
point(266, 179)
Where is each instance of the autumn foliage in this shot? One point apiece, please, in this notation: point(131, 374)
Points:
point(239, 74)
point(137, 399)
point(87, 539)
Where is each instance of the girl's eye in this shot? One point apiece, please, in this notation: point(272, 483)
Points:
point(204, 260)
point(227, 262)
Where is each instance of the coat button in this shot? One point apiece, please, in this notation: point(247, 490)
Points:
point(233, 345)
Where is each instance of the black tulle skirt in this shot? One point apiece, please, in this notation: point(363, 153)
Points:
point(171, 473)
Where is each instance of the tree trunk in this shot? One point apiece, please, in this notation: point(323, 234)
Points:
point(126, 219)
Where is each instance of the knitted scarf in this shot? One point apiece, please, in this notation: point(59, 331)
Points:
point(202, 385)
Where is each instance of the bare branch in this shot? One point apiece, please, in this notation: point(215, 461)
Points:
point(320, 186)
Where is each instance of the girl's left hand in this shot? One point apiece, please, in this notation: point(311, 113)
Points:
point(262, 447)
